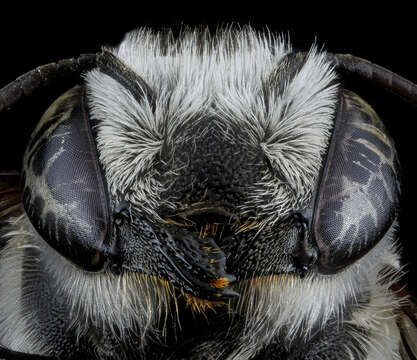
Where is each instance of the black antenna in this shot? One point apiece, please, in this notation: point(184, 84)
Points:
point(43, 76)
point(376, 74)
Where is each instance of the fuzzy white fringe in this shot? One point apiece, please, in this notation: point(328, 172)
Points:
point(281, 304)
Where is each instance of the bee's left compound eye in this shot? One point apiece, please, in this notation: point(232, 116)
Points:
point(64, 192)
point(358, 196)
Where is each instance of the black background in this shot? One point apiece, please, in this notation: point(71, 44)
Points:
point(387, 36)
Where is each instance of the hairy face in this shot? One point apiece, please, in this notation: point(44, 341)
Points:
point(204, 170)
point(219, 144)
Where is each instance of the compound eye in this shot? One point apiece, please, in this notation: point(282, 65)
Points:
point(64, 191)
point(358, 196)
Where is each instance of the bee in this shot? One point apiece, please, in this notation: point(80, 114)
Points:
point(205, 196)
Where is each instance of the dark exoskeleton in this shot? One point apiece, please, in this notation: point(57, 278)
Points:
point(215, 276)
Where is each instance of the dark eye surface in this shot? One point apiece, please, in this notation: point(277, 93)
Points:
point(64, 192)
point(359, 195)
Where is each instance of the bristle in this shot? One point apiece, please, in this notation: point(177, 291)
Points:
point(220, 283)
point(200, 306)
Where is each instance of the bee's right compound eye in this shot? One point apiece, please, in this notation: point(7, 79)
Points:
point(359, 192)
